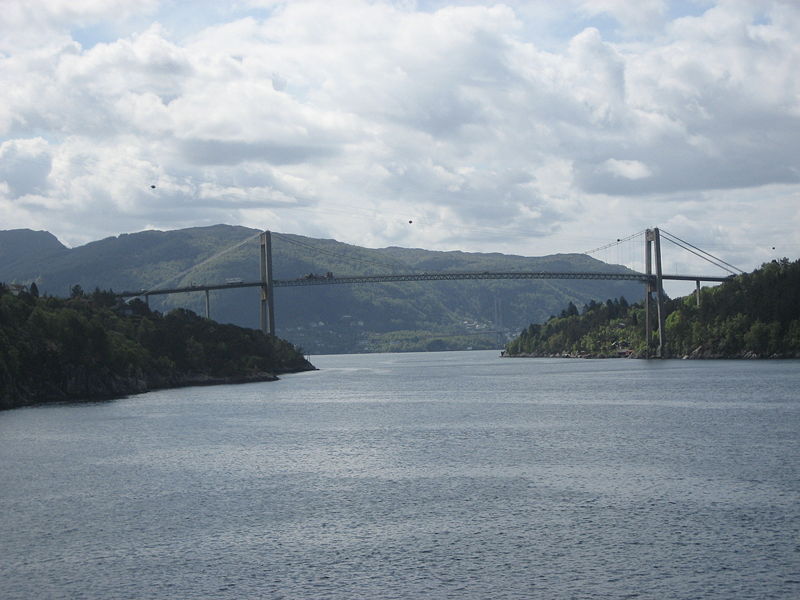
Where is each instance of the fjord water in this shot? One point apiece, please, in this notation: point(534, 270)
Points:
point(449, 475)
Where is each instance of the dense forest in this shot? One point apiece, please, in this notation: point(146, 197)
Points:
point(755, 315)
point(91, 346)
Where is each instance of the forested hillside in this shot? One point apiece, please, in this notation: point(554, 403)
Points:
point(755, 315)
point(388, 316)
point(88, 346)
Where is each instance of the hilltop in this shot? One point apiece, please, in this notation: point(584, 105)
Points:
point(324, 319)
point(20, 248)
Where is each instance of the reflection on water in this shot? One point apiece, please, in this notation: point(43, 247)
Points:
point(451, 475)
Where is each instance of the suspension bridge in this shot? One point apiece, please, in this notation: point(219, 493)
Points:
point(652, 278)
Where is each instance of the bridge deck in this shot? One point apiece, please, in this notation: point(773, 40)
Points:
point(464, 276)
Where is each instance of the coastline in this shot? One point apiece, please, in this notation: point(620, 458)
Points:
point(93, 387)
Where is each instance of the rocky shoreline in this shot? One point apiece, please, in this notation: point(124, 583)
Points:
point(89, 386)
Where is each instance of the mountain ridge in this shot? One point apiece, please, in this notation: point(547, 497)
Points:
point(17, 246)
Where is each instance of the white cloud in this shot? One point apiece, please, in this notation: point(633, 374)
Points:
point(30, 24)
point(349, 119)
point(637, 16)
point(629, 169)
point(24, 165)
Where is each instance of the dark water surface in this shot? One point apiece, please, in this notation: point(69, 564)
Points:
point(451, 475)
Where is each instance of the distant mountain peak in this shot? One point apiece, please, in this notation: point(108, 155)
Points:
point(22, 245)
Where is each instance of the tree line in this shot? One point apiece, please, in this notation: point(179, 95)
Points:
point(754, 315)
point(91, 345)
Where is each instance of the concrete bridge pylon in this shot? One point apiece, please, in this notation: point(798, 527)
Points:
point(267, 317)
point(655, 284)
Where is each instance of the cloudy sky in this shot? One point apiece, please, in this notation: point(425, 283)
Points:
point(526, 127)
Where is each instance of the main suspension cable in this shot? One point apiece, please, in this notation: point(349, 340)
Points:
point(611, 244)
point(339, 256)
point(716, 260)
point(204, 262)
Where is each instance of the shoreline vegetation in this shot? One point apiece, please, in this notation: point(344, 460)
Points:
point(91, 347)
point(754, 315)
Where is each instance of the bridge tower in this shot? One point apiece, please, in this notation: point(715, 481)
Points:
point(267, 315)
point(652, 242)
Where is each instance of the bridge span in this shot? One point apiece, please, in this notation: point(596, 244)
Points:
point(653, 282)
point(455, 276)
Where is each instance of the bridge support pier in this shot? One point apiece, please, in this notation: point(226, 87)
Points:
point(653, 242)
point(648, 291)
point(267, 313)
point(208, 306)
